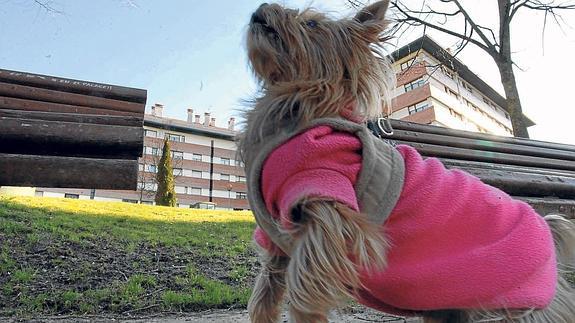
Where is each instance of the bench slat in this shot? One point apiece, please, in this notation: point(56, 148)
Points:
point(454, 163)
point(484, 145)
point(44, 95)
point(489, 156)
point(525, 184)
point(73, 117)
point(74, 86)
point(68, 172)
point(31, 105)
point(58, 138)
point(420, 128)
point(547, 206)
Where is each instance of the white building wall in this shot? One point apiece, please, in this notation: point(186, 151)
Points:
point(439, 80)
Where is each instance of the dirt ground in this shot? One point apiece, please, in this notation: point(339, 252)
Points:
point(235, 316)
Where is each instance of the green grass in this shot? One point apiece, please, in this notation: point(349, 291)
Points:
point(65, 256)
point(198, 292)
point(208, 232)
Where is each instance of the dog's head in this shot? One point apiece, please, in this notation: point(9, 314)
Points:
point(306, 50)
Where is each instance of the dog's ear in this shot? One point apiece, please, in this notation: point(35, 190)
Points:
point(373, 13)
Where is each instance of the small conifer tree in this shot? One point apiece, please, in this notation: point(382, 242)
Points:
point(166, 194)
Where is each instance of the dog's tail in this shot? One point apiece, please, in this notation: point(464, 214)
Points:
point(332, 243)
point(562, 308)
point(563, 232)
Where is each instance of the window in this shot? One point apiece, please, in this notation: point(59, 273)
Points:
point(241, 179)
point(466, 86)
point(489, 103)
point(414, 85)
point(456, 114)
point(174, 137)
point(130, 201)
point(407, 64)
point(451, 92)
point(241, 195)
point(225, 177)
point(177, 154)
point(177, 171)
point(196, 157)
point(151, 133)
point(196, 174)
point(156, 151)
point(225, 161)
point(448, 73)
point(195, 190)
point(471, 105)
point(417, 107)
point(71, 196)
point(152, 168)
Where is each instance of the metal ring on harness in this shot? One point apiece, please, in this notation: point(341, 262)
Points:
point(385, 126)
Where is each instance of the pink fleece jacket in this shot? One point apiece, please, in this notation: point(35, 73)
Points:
point(456, 242)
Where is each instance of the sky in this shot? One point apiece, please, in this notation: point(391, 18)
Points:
point(191, 53)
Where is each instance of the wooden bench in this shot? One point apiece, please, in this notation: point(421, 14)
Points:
point(541, 173)
point(57, 132)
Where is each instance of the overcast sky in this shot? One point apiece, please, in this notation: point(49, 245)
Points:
point(190, 53)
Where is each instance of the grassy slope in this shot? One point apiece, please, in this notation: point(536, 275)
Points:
point(63, 256)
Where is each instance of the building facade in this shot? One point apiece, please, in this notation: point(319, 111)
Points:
point(205, 167)
point(433, 87)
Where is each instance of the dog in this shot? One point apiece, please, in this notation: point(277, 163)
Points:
point(342, 215)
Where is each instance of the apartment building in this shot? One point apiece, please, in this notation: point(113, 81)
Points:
point(433, 87)
point(203, 159)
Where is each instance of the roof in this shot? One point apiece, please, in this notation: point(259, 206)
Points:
point(186, 127)
point(430, 46)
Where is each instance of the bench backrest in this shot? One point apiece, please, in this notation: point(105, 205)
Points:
point(57, 132)
point(539, 172)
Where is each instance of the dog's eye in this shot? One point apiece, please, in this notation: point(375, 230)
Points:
point(311, 23)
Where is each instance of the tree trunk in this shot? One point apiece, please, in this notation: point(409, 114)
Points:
point(512, 99)
point(505, 66)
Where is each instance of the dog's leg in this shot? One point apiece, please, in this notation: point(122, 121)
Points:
point(265, 302)
point(321, 272)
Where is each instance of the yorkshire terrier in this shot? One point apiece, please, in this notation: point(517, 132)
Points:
point(344, 215)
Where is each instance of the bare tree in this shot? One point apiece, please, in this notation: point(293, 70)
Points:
point(494, 40)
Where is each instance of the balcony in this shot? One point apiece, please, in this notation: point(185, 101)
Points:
point(416, 71)
point(412, 97)
point(424, 117)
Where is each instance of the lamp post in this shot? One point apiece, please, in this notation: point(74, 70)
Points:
point(230, 196)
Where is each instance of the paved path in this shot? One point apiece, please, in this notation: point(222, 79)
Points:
point(222, 316)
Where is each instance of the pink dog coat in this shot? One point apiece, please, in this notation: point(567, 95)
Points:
point(455, 241)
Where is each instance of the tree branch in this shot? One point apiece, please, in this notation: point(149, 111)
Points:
point(492, 50)
point(414, 21)
point(47, 6)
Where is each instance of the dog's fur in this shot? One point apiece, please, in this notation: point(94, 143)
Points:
point(310, 66)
